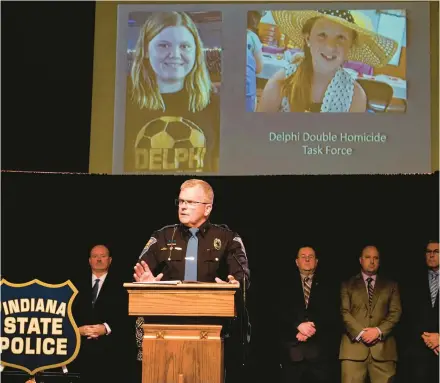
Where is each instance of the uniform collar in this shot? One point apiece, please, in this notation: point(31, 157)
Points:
point(203, 229)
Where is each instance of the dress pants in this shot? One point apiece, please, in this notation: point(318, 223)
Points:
point(354, 371)
point(307, 371)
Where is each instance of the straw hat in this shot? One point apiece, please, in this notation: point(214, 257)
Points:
point(370, 47)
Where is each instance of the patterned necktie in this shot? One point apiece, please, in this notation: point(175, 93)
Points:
point(434, 287)
point(95, 291)
point(191, 256)
point(307, 288)
point(370, 290)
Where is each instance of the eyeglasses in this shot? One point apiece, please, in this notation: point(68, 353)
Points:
point(431, 251)
point(189, 203)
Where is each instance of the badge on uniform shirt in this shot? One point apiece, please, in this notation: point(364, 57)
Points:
point(217, 244)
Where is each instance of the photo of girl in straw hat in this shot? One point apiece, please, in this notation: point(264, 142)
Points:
point(315, 80)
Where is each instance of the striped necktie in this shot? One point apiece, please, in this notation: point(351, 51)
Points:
point(370, 290)
point(307, 287)
point(433, 287)
point(191, 256)
point(95, 291)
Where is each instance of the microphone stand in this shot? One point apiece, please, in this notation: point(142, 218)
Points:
point(243, 324)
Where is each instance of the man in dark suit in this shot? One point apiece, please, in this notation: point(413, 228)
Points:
point(421, 321)
point(370, 307)
point(309, 329)
point(100, 310)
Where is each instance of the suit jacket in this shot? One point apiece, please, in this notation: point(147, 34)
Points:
point(111, 307)
point(384, 313)
point(420, 316)
point(102, 359)
point(322, 310)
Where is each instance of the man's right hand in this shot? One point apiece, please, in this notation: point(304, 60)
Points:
point(307, 328)
point(142, 273)
point(431, 339)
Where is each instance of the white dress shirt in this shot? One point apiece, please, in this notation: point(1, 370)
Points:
point(100, 283)
point(373, 284)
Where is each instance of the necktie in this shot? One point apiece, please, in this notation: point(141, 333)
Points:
point(370, 290)
point(434, 287)
point(95, 291)
point(307, 288)
point(191, 256)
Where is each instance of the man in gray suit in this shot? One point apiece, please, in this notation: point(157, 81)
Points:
point(370, 307)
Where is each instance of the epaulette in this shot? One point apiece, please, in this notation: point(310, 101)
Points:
point(222, 226)
point(169, 227)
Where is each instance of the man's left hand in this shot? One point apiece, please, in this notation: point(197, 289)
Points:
point(231, 280)
point(370, 334)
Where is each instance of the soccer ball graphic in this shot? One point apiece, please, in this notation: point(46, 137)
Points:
point(170, 143)
point(170, 132)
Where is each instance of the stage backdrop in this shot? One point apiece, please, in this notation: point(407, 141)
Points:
point(46, 116)
point(49, 223)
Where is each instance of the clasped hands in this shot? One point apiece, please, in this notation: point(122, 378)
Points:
point(431, 340)
point(93, 331)
point(142, 273)
point(370, 335)
point(305, 331)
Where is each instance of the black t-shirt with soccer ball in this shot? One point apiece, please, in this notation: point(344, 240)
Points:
point(174, 140)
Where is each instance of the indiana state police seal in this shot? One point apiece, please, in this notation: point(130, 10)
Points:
point(39, 331)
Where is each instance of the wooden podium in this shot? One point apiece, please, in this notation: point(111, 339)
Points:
point(185, 345)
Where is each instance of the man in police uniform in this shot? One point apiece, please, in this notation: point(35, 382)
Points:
point(220, 255)
point(195, 249)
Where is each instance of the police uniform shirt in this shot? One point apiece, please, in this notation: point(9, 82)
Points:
point(219, 252)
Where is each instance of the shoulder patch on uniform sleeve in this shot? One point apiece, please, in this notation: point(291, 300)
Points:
point(150, 243)
point(238, 239)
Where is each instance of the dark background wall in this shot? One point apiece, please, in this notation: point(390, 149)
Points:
point(50, 221)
